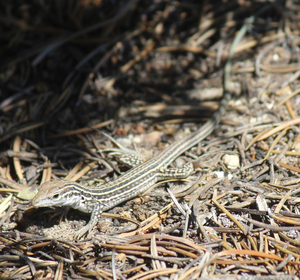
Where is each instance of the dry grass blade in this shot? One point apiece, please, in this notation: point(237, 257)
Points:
point(5, 204)
point(242, 228)
point(17, 165)
point(287, 220)
point(275, 142)
point(21, 130)
point(279, 128)
point(82, 130)
point(169, 238)
point(288, 98)
point(271, 227)
point(255, 253)
point(287, 166)
point(59, 271)
point(12, 184)
point(152, 274)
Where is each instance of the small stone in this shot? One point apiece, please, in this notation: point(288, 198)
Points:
point(297, 147)
point(284, 91)
point(219, 174)
point(232, 161)
point(140, 129)
point(170, 131)
point(153, 137)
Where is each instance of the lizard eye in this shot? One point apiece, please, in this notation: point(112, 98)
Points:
point(56, 196)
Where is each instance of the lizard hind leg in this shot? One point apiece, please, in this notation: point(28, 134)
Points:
point(176, 173)
point(120, 150)
point(130, 158)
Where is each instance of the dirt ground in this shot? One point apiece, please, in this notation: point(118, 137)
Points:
point(147, 73)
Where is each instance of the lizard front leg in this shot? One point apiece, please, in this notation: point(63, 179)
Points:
point(95, 216)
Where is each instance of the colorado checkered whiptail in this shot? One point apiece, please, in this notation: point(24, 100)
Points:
point(141, 177)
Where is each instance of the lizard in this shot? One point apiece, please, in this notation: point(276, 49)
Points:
point(142, 175)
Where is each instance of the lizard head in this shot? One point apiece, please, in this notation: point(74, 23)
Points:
point(57, 193)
